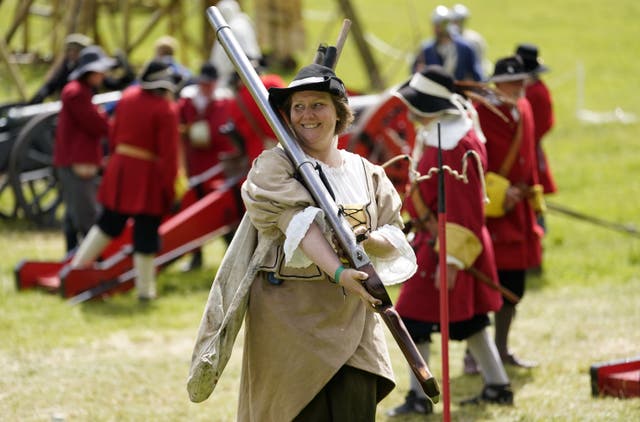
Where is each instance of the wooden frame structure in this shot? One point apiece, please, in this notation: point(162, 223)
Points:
point(110, 23)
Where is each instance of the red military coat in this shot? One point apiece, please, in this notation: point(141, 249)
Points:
point(249, 121)
point(516, 235)
point(81, 127)
point(540, 99)
point(419, 298)
point(142, 186)
point(216, 113)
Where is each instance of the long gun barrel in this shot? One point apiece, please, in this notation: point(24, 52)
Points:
point(355, 253)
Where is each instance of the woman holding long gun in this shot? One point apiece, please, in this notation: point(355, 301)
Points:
point(313, 346)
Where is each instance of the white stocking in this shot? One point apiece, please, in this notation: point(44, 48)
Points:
point(145, 275)
point(92, 245)
point(484, 351)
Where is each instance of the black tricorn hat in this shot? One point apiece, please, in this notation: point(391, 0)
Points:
point(530, 60)
point(314, 77)
point(428, 92)
point(509, 69)
point(158, 74)
point(92, 59)
point(208, 73)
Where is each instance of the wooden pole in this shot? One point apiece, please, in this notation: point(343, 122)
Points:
point(72, 16)
point(444, 288)
point(375, 78)
point(22, 11)
point(146, 30)
point(13, 70)
point(126, 25)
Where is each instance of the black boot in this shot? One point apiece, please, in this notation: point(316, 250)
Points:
point(503, 319)
point(70, 233)
point(412, 404)
point(496, 394)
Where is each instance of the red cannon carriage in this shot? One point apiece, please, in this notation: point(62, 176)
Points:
point(381, 132)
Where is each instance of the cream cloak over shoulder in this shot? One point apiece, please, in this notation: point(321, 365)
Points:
point(297, 334)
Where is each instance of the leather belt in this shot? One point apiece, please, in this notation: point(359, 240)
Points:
point(135, 152)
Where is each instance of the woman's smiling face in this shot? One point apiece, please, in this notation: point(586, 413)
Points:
point(313, 118)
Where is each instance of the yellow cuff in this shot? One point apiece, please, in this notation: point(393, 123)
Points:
point(462, 244)
point(496, 186)
point(181, 184)
point(536, 199)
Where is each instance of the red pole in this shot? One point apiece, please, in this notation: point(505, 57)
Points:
point(444, 291)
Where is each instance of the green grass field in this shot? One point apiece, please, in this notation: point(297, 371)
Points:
point(115, 360)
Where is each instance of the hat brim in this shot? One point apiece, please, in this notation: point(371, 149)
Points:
point(102, 65)
point(278, 96)
point(162, 83)
point(510, 77)
point(540, 68)
point(420, 103)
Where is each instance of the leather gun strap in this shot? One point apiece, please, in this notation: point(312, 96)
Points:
point(512, 154)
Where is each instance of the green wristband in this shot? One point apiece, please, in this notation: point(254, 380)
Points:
point(336, 276)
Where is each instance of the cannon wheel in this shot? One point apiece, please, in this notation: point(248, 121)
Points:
point(31, 172)
point(8, 206)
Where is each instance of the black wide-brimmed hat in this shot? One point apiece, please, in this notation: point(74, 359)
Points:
point(509, 69)
point(429, 92)
point(92, 59)
point(208, 73)
point(158, 74)
point(314, 77)
point(530, 60)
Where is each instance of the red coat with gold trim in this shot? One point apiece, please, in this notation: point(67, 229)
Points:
point(81, 127)
point(216, 113)
point(135, 185)
point(419, 299)
point(540, 99)
point(516, 235)
point(255, 129)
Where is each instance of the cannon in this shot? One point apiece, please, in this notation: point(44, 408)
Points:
point(381, 131)
point(27, 134)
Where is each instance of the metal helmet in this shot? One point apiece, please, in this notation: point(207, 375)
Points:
point(460, 12)
point(440, 14)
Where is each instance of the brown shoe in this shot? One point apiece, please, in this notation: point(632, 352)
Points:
point(511, 359)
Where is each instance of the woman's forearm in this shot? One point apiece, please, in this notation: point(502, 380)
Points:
point(318, 250)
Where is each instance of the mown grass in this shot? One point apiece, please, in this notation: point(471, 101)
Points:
point(115, 360)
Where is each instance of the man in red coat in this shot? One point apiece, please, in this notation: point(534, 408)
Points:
point(203, 146)
point(77, 151)
point(201, 117)
point(140, 176)
point(430, 97)
point(537, 92)
point(514, 191)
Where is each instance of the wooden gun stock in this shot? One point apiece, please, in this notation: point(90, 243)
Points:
point(394, 323)
point(355, 254)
